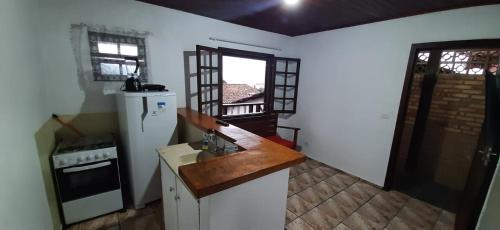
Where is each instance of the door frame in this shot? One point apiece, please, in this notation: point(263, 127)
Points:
point(405, 94)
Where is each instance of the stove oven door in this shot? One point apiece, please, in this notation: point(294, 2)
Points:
point(87, 179)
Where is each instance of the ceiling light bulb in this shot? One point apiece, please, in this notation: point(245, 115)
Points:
point(291, 2)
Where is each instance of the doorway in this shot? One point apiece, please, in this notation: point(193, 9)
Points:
point(441, 124)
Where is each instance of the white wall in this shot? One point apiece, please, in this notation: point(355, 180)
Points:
point(173, 32)
point(351, 81)
point(489, 215)
point(23, 203)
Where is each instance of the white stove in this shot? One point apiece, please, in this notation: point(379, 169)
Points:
point(87, 178)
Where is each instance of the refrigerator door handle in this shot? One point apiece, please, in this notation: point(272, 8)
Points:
point(144, 111)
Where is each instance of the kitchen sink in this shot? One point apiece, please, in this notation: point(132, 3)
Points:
point(205, 155)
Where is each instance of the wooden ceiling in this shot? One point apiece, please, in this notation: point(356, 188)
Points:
point(311, 16)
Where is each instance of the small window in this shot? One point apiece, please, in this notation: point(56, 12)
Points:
point(108, 53)
point(243, 86)
point(245, 83)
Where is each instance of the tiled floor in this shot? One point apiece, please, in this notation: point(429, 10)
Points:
point(148, 218)
point(321, 197)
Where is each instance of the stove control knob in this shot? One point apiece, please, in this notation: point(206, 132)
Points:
point(97, 156)
point(63, 162)
point(106, 155)
point(80, 159)
point(88, 158)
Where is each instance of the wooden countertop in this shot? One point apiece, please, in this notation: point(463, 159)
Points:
point(261, 157)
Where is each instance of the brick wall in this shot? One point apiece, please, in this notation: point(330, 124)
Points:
point(452, 129)
point(457, 102)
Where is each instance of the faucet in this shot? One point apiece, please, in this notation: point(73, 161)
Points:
point(212, 141)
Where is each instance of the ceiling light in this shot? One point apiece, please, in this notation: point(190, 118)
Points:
point(291, 2)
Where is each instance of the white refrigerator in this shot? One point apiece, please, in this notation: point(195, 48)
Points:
point(147, 121)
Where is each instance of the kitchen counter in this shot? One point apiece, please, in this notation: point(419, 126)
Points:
point(260, 158)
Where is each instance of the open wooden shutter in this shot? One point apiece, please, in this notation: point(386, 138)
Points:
point(285, 82)
point(208, 63)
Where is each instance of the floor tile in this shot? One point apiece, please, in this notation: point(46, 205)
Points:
point(322, 172)
point(362, 192)
point(303, 167)
point(310, 195)
point(311, 163)
point(304, 180)
point(446, 221)
point(341, 227)
point(326, 216)
point(375, 216)
point(348, 203)
point(357, 221)
point(132, 213)
point(388, 203)
point(419, 214)
point(341, 180)
point(293, 187)
point(399, 224)
point(298, 224)
point(289, 216)
point(324, 190)
point(297, 205)
point(102, 222)
point(146, 222)
point(294, 171)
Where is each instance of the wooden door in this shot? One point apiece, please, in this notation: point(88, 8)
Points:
point(486, 158)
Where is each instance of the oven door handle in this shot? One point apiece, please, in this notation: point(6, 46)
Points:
point(86, 167)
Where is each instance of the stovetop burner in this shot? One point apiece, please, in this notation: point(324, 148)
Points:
point(86, 143)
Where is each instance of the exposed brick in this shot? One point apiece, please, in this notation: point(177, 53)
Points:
point(474, 82)
point(473, 91)
point(463, 87)
point(457, 102)
point(460, 95)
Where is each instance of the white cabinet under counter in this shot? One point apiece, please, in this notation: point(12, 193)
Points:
point(257, 204)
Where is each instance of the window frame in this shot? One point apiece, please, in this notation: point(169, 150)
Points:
point(295, 86)
point(268, 93)
point(270, 78)
point(118, 39)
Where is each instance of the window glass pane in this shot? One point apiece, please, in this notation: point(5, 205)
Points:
point(107, 47)
point(292, 66)
point(280, 79)
point(129, 68)
point(215, 60)
point(205, 58)
point(278, 104)
point(110, 69)
point(128, 49)
point(290, 92)
point(278, 91)
point(288, 105)
point(243, 85)
point(280, 65)
point(291, 79)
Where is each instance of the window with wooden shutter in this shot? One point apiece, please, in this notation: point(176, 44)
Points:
point(258, 83)
point(286, 82)
point(208, 80)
